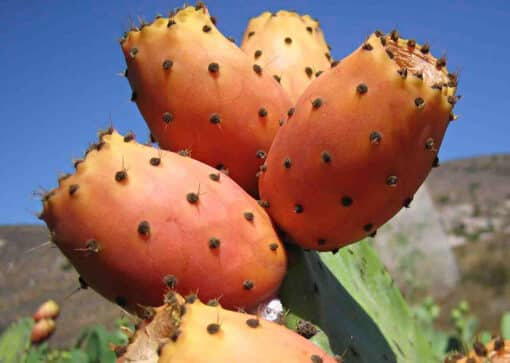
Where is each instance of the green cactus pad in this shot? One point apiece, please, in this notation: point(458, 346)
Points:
point(352, 298)
point(15, 341)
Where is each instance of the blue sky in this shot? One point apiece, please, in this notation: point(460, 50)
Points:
point(59, 59)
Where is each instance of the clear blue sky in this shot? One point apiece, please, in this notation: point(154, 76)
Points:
point(59, 59)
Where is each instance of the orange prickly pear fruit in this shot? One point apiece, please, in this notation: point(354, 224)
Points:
point(372, 127)
point(199, 92)
point(289, 46)
point(186, 331)
point(496, 351)
point(48, 310)
point(42, 330)
point(136, 221)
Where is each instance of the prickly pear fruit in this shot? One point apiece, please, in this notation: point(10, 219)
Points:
point(189, 331)
point(289, 46)
point(48, 310)
point(372, 127)
point(199, 92)
point(496, 351)
point(136, 221)
point(42, 330)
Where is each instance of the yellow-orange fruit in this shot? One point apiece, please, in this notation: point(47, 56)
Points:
point(136, 221)
point(496, 351)
point(48, 310)
point(289, 46)
point(186, 332)
point(363, 138)
point(42, 330)
point(199, 92)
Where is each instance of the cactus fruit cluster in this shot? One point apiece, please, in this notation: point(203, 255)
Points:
point(333, 150)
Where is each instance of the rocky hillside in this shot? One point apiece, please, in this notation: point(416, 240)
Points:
point(473, 199)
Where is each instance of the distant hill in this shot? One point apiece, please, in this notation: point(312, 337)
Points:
point(473, 199)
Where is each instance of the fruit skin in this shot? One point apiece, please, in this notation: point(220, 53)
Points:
point(132, 216)
point(42, 330)
point(198, 91)
point(288, 45)
point(372, 127)
point(193, 332)
point(48, 310)
point(496, 351)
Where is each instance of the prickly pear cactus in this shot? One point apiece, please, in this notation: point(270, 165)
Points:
point(289, 46)
point(15, 341)
point(199, 92)
point(373, 126)
point(186, 330)
point(136, 221)
point(352, 299)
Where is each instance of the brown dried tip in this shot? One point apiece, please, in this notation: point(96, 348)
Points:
point(316, 103)
point(298, 209)
point(326, 157)
point(480, 349)
point(73, 188)
point(248, 216)
point(306, 329)
point(214, 243)
point(375, 137)
point(121, 176)
point(392, 181)
point(248, 284)
point(213, 328)
point(167, 64)
point(213, 67)
point(394, 35)
point(253, 323)
point(362, 88)
point(441, 62)
point(214, 176)
point(367, 46)
point(419, 102)
point(170, 281)
point(215, 119)
point(144, 228)
point(155, 161)
point(192, 197)
point(314, 358)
